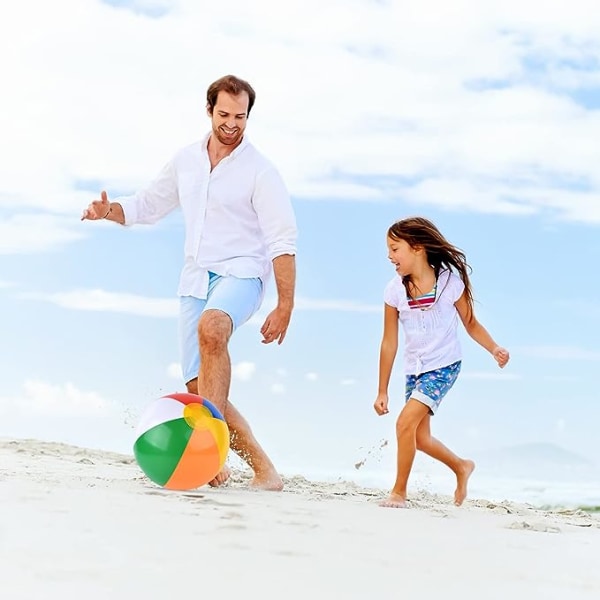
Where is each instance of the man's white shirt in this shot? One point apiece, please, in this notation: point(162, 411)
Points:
point(237, 218)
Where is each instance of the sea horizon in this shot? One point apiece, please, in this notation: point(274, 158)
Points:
point(571, 486)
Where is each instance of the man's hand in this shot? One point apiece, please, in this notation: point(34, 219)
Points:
point(98, 209)
point(276, 325)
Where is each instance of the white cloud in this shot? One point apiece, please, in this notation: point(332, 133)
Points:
point(103, 301)
point(341, 305)
point(348, 381)
point(317, 304)
point(277, 388)
point(31, 233)
point(41, 398)
point(426, 101)
point(174, 371)
point(560, 353)
point(491, 375)
point(312, 376)
point(560, 378)
point(152, 8)
point(243, 371)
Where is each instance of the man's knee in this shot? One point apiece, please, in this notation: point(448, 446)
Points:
point(214, 329)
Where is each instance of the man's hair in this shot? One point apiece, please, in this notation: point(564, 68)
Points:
point(232, 85)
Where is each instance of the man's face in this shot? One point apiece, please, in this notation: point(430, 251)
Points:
point(229, 117)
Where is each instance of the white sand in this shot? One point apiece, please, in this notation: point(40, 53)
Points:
point(84, 524)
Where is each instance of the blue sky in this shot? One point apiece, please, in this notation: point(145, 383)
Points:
point(484, 119)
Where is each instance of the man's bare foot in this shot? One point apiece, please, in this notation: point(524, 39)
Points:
point(269, 480)
point(221, 477)
point(462, 479)
point(394, 501)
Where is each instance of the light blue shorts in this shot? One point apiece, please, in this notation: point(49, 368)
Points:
point(238, 298)
point(430, 388)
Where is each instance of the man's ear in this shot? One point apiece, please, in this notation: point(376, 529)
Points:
point(209, 110)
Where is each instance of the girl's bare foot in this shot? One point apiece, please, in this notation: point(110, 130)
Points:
point(462, 478)
point(394, 501)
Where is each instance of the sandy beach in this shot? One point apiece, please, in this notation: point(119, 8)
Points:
point(80, 523)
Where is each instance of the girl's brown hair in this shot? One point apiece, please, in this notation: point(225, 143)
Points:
point(419, 232)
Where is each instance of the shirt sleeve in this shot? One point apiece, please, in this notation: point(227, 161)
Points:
point(273, 207)
point(149, 205)
point(390, 294)
point(457, 287)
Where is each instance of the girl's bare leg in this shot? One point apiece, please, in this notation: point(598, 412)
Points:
point(406, 433)
point(461, 467)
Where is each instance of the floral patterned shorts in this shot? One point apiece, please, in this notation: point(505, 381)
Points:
point(431, 387)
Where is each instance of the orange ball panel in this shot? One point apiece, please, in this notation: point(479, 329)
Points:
point(199, 464)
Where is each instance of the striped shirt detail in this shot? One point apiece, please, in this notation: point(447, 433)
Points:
point(423, 301)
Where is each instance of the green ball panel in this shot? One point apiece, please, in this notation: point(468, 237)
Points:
point(159, 450)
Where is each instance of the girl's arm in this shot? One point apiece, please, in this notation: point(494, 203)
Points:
point(387, 354)
point(479, 333)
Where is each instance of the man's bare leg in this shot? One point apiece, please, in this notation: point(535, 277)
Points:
point(245, 445)
point(214, 380)
point(433, 447)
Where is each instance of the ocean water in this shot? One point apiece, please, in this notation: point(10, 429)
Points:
point(542, 475)
point(540, 483)
point(542, 493)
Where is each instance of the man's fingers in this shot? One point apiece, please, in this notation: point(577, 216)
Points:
point(271, 336)
point(88, 214)
point(96, 208)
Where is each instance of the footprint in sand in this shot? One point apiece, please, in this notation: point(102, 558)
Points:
point(541, 527)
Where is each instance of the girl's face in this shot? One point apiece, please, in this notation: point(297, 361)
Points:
point(402, 255)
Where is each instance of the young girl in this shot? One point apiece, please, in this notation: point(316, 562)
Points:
point(431, 291)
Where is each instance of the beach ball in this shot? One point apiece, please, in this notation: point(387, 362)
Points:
point(182, 441)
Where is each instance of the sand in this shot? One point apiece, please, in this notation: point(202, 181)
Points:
point(87, 524)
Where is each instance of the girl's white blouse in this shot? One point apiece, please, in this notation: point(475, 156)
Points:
point(431, 333)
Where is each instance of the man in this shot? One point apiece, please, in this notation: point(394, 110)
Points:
point(239, 227)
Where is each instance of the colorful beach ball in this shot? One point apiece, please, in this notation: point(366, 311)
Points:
point(182, 441)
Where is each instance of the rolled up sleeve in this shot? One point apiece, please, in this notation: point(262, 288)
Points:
point(276, 216)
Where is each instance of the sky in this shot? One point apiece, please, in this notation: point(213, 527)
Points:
point(484, 117)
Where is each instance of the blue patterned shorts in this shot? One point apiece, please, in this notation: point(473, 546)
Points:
point(431, 387)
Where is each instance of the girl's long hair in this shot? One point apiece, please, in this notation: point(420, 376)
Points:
point(420, 232)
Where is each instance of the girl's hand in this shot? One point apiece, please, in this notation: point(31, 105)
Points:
point(501, 356)
point(381, 404)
